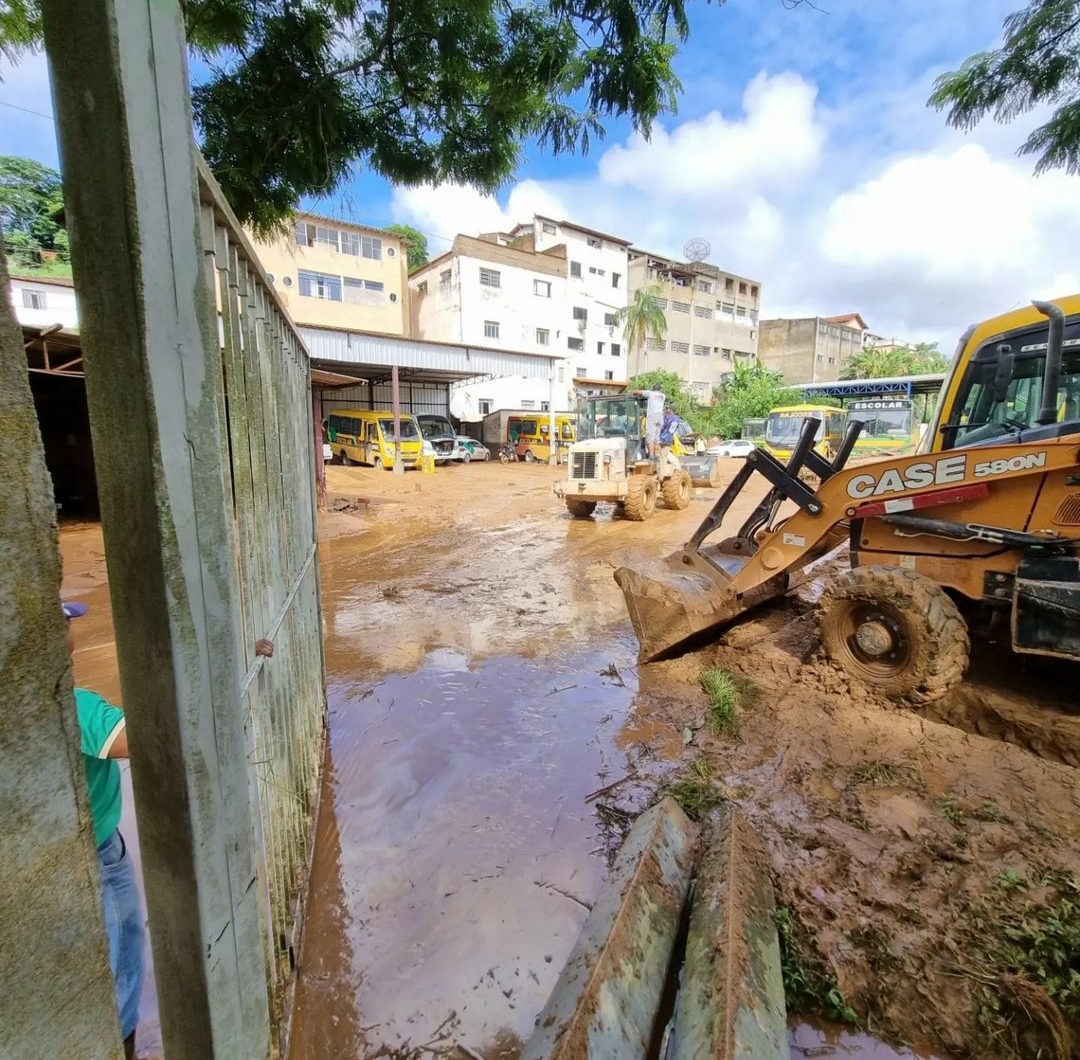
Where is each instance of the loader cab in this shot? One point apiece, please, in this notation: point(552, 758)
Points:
point(1000, 393)
point(620, 416)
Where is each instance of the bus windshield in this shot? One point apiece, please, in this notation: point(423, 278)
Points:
point(408, 427)
point(883, 420)
point(782, 429)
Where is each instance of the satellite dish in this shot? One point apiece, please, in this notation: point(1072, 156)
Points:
point(696, 249)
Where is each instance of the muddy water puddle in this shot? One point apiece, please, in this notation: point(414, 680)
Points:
point(457, 851)
point(808, 1041)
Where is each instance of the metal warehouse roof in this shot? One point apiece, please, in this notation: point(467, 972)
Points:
point(372, 357)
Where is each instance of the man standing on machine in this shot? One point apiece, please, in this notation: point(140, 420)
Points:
point(654, 417)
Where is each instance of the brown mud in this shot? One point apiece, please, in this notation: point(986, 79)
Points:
point(484, 694)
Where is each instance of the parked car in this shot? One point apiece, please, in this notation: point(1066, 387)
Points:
point(735, 447)
point(471, 449)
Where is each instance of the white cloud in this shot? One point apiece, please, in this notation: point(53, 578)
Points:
point(778, 141)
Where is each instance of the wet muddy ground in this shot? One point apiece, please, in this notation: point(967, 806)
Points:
point(482, 687)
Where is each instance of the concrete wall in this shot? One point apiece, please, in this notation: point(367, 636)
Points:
point(57, 997)
point(808, 349)
point(58, 297)
point(386, 311)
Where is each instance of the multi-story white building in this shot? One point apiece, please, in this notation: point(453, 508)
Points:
point(547, 286)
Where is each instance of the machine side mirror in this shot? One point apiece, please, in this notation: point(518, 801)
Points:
point(1004, 374)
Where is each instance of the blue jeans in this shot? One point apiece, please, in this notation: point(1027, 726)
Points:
point(124, 925)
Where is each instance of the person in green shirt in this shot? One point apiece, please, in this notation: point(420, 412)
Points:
point(104, 741)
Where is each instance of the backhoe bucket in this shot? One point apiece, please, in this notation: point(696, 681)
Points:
point(702, 469)
point(675, 602)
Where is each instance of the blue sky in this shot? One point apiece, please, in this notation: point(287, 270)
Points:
point(802, 149)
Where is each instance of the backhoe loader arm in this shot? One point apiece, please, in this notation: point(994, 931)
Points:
point(704, 586)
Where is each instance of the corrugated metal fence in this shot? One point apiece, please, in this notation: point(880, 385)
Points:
point(265, 384)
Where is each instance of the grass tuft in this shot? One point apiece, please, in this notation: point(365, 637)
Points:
point(696, 790)
point(808, 986)
point(877, 774)
point(725, 699)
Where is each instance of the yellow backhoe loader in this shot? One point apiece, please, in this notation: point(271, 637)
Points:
point(987, 516)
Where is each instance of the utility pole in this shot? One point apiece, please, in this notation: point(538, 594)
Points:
point(399, 467)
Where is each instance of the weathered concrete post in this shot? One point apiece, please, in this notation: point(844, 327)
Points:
point(153, 384)
point(57, 997)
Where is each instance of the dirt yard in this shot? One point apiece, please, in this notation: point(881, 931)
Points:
point(491, 734)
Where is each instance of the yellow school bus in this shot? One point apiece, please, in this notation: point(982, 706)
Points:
point(784, 425)
point(889, 425)
point(366, 436)
point(532, 435)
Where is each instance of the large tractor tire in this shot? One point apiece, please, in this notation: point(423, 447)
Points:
point(896, 631)
point(640, 500)
point(677, 490)
point(580, 509)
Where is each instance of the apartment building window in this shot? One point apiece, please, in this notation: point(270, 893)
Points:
point(701, 351)
point(491, 329)
point(680, 307)
point(753, 314)
point(822, 329)
point(580, 373)
point(528, 403)
point(349, 243)
point(421, 287)
point(742, 288)
point(545, 406)
point(581, 314)
point(575, 344)
point(729, 284)
point(655, 344)
point(320, 285)
point(832, 360)
point(705, 286)
point(371, 247)
point(33, 299)
point(616, 279)
point(703, 311)
point(575, 269)
point(616, 349)
point(834, 332)
point(542, 288)
point(560, 373)
point(594, 242)
point(729, 308)
point(753, 291)
point(600, 348)
point(726, 353)
point(549, 229)
point(609, 319)
point(680, 347)
point(355, 289)
point(597, 272)
point(490, 278)
point(740, 311)
point(543, 337)
point(609, 375)
point(484, 406)
point(444, 279)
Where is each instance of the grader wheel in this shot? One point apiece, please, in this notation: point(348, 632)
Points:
point(896, 631)
point(677, 491)
point(580, 509)
point(640, 500)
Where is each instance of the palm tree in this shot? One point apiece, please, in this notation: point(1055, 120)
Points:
point(877, 362)
point(641, 320)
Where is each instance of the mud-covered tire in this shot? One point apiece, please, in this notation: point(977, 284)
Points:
point(378, 464)
point(926, 636)
point(529, 458)
point(345, 461)
point(580, 509)
point(640, 500)
point(677, 491)
point(466, 457)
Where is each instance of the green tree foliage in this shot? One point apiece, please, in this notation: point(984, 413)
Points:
point(416, 90)
point(679, 397)
point(31, 200)
point(641, 320)
point(749, 394)
point(415, 243)
point(1037, 65)
point(877, 362)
